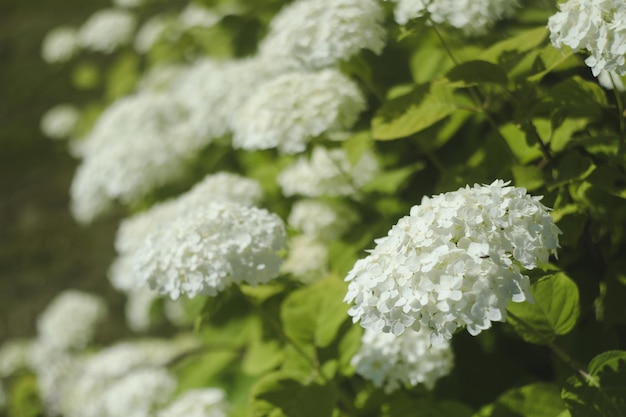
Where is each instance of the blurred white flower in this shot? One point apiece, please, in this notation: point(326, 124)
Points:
point(149, 33)
point(59, 121)
point(454, 262)
point(328, 172)
point(69, 321)
point(474, 17)
point(204, 402)
point(290, 110)
point(391, 362)
point(321, 219)
point(307, 259)
point(137, 144)
point(138, 308)
point(128, 3)
point(595, 26)
point(211, 247)
point(13, 356)
point(59, 45)
point(106, 30)
point(195, 15)
point(321, 33)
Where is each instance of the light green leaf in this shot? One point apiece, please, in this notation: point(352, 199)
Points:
point(315, 313)
point(603, 392)
point(261, 355)
point(279, 395)
point(477, 72)
point(408, 114)
point(390, 182)
point(554, 312)
point(534, 400)
point(516, 139)
point(522, 42)
point(529, 177)
point(553, 59)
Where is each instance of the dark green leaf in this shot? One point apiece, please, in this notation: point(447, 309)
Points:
point(603, 392)
point(534, 400)
point(477, 72)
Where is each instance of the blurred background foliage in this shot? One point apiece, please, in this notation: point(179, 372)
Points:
point(42, 249)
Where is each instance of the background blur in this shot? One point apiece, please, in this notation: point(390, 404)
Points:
point(42, 249)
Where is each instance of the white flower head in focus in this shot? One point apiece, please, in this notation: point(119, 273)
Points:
point(327, 172)
point(321, 33)
point(69, 321)
point(204, 402)
point(454, 262)
point(59, 45)
point(290, 110)
point(59, 121)
point(135, 146)
point(391, 362)
point(595, 26)
point(610, 80)
point(106, 30)
point(473, 17)
point(209, 248)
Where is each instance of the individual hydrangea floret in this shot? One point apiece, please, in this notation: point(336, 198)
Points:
point(59, 122)
point(70, 319)
point(473, 17)
point(204, 402)
point(321, 219)
point(135, 146)
point(287, 112)
point(106, 30)
point(307, 259)
point(455, 261)
point(209, 248)
point(59, 45)
point(327, 172)
point(595, 26)
point(321, 33)
point(392, 362)
point(611, 81)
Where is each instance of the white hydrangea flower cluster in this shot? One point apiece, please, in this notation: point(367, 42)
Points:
point(70, 319)
point(328, 172)
point(195, 15)
point(409, 359)
point(149, 33)
point(288, 111)
point(128, 3)
point(209, 248)
point(204, 402)
point(473, 17)
point(59, 121)
point(321, 219)
point(135, 146)
point(13, 356)
point(59, 45)
point(321, 33)
point(597, 26)
point(106, 30)
point(454, 262)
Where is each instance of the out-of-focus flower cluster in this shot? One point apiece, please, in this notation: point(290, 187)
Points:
point(454, 262)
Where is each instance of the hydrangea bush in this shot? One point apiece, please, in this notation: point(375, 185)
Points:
point(343, 208)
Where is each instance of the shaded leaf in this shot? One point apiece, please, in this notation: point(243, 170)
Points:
point(477, 72)
point(534, 400)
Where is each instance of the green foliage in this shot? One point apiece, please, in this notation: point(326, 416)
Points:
point(601, 392)
point(534, 400)
point(554, 312)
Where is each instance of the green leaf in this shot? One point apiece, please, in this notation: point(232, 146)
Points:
point(402, 405)
point(477, 72)
point(554, 312)
point(122, 76)
point(572, 167)
point(522, 42)
point(429, 62)
point(408, 114)
point(279, 395)
point(516, 139)
point(603, 392)
point(571, 219)
point(390, 182)
point(553, 59)
point(574, 97)
point(529, 177)
point(315, 313)
point(534, 400)
point(261, 355)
